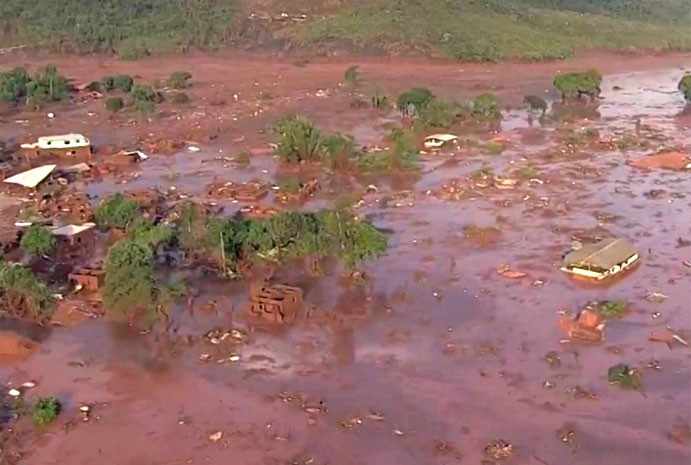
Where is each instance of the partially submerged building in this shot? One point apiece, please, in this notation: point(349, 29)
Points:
point(277, 303)
point(602, 259)
point(73, 146)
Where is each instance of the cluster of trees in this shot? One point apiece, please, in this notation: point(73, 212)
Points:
point(131, 282)
point(685, 88)
point(46, 85)
point(435, 112)
point(143, 97)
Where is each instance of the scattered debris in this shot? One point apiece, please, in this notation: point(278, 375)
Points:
point(663, 160)
point(669, 337)
point(499, 449)
point(586, 327)
point(507, 272)
point(245, 192)
point(600, 260)
point(681, 432)
point(85, 412)
point(216, 436)
point(655, 297)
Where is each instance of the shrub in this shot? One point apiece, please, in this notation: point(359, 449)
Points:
point(685, 87)
point(23, 295)
point(124, 82)
point(144, 107)
point(179, 80)
point(180, 98)
point(612, 308)
point(95, 86)
point(438, 113)
point(352, 76)
point(46, 410)
point(116, 212)
point(38, 241)
point(299, 140)
point(486, 106)
point(146, 93)
point(115, 104)
point(418, 97)
point(402, 154)
point(576, 85)
point(145, 233)
point(339, 151)
point(193, 226)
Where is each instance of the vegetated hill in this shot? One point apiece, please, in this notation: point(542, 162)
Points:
point(462, 29)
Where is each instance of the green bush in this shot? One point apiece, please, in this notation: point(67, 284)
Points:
point(38, 241)
point(299, 140)
point(685, 87)
point(417, 96)
point(13, 85)
point(438, 113)
point(624, 376)
point(124, 82)
point(144, 107)
point(179, 80)
point(339, 151)
point(46, 410)
point(130, 283)
point(612, 308)
point(116, 212)
point(180, 98)
point(23, 295)
point(143, 232)
point(578, 84)
point(146, 93)
point(486, 106)
point(115, 104)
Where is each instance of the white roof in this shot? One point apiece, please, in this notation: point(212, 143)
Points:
point(442, 137)
point(32, 177)
point(72, 229)
point(70, 136)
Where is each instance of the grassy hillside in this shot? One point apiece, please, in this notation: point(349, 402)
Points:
point(462, 29)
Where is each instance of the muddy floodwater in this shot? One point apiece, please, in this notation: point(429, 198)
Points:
point(437, 354)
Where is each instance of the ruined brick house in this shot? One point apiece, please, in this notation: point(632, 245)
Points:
point(277, 303)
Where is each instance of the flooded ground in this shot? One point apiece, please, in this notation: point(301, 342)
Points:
point(438, 354)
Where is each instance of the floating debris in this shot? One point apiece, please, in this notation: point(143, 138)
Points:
point(600, 260)
point(624, 376)
point(216, 436)
point(499, 449)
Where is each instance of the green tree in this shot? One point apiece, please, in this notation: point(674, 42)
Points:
point(38, 240)
point(486, 106)
point(13, 85)
point(417, 96)
point(536, 103)
point(124, 82)
point(130, 284)
point(352, 76)
point(117, 212)
point(299, 140)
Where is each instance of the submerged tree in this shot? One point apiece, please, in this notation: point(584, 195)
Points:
point(486, 107)
point(23, 295)
point(416, 97)
point(299, 140)
point(535, 103)
point(116, 211)
point(576, 85)
point(685, 88)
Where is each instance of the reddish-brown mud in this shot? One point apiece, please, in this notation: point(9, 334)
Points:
point(437, 354)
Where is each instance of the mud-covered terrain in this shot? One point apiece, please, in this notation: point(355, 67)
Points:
point(457, 338)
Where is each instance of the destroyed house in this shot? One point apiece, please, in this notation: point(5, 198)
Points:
point(278, 303)
point(602, 259)
point(81, 235)
point(89, 279)
point(74, 146)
